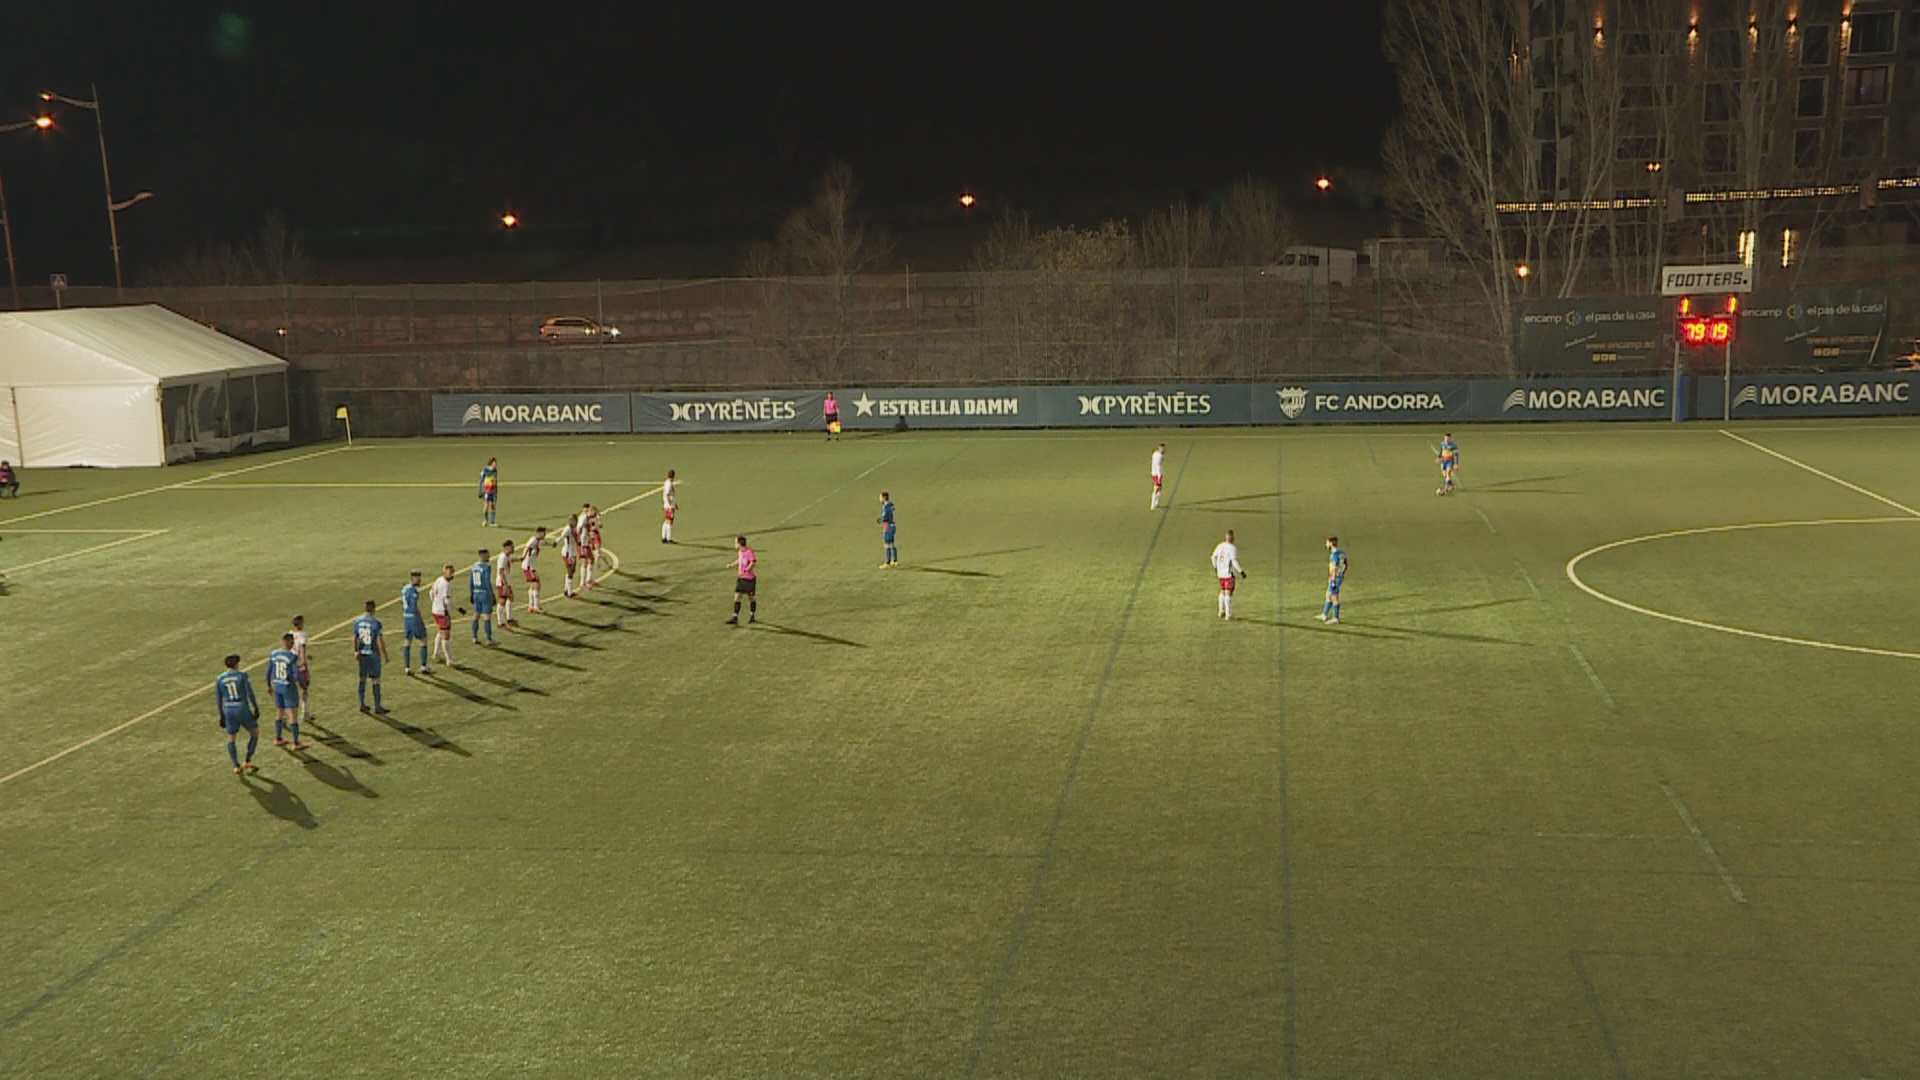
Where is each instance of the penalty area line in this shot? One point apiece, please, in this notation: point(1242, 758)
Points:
point(146, 534)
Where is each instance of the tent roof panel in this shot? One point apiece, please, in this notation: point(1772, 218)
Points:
point(120, 345)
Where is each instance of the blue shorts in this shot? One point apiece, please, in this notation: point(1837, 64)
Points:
point(1333, 587)
point(234, 721)
point(369, 666)
point(286, 696)
point(416, 627)
point(886, 535)
point(483, 603)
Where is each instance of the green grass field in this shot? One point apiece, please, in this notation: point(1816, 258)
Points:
point(1024, 807)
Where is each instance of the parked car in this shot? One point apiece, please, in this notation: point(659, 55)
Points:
point(576, 328)
point(1315, 266)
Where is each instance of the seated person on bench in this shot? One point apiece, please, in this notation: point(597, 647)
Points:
point(9, 480)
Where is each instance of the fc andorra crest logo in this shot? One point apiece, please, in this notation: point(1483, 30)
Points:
point(1293, 401)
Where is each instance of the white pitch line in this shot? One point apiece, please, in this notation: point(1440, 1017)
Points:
point(146, 535)
point(1486, 520)
point(305, 484)
point(196, 692)
point(1849, 485)
point(629, 502)
point(78, 532)
point(1573, 575)
point(171, 487)
point(1706, 846)
point(1537, 594)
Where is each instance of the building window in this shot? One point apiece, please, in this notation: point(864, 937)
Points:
point(1723, 102)
point(1813, 98)
point(1867, 86)
point(1723, 49)
point(1816, 45)
point(1717, 153)
point(1862, 138)
point(1636, 44)
point(1872, 33)
point(1747, 238)
point(1639, 149)
point(1645, 97)
point(1789, 246)
point(1806, 148)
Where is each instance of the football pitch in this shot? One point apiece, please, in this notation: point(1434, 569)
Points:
point(1608, 771)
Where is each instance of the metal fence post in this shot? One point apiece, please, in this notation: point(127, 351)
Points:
point(1310, 366)
point(412, 334)
point(725, 344)
point(353, 319)
point(475, 287)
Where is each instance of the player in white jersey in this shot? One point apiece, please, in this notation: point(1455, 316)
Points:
point(503, 585)
point(589, 544)
point(569, 553)
point(1159, 460)
point(299, 633)
point(441, 601)
point(530, 567)
point(669, 502)
point(1226, 567)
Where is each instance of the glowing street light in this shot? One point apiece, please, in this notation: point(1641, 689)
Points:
point(113, 208)
point(6, 220)
point(509, 219)
point(1523, 271)
point(1323, 183)
point(967, 200)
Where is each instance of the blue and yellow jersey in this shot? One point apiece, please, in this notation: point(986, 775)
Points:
point(1449, 452)
point(489, 480)
point(1336, 564)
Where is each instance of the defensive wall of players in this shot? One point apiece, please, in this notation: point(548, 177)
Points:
point(1682, 397)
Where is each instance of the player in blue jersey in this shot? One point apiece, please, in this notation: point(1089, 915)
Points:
point(370, 649)
point(490, 492)
point(1449, 454)
point(887, 532)
point(480, 592)
point(283, 677)
point(1336, 576)
point(413, 625)
point(233, 693)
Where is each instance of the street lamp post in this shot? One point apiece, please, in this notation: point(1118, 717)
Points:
point(106, 174)
point(6, 219)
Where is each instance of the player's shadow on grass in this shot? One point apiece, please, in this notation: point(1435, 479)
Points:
point(514, 685)
point(1469, 607)
point(279, 800)
point(980, 555)
point(457, 690)
point(1507, 487)
point(542, 635)
point(1192, 503)
point(335, 741)
point(1382, 632)
point(816, 638)
point(426, 737)
point(340, 779)
point(584, 624)
point(949, 570)
point(536, 658)
point(1288, 624)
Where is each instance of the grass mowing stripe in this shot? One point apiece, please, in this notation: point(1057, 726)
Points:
point(347, 799)
point(244, 998)
point(1593, 677)
point(1023, 924)
point(1706, 846)
point(1849, 485)
point(1537, 594)
point(1288, 982)
point(1599, 1014)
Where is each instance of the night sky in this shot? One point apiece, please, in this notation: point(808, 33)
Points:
point(397, 130)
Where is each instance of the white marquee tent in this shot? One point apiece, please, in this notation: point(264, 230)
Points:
point(131, 386)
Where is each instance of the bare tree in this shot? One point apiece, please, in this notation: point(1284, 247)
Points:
point(272, 257)
point(1254, 226)
point(1460, 146)
point(828, 245)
